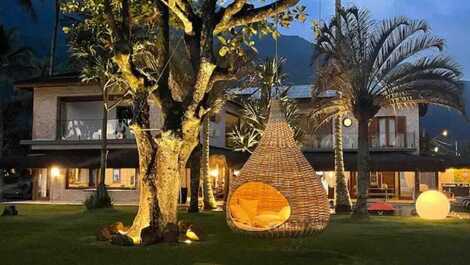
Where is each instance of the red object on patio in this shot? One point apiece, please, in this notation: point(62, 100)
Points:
point(381, 208)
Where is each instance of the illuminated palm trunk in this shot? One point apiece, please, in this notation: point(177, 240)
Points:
point(195, 165)
point(208, 193)
point(342, 198)
point(360, 210)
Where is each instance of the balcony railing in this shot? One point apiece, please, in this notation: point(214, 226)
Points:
point(397, 141)
point(85, 129)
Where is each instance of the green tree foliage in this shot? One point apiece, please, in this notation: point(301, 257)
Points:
point(268, 80)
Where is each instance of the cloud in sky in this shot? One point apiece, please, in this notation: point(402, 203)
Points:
point(448, 19)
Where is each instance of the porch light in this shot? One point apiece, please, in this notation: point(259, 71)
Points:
point(432, 205)
point(436, 149)
point(214, 172)
point(445, 132)
point(347, 122)
point(236, 172)
point(55, 172)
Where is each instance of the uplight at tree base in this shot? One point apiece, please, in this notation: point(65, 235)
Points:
point(432, 205)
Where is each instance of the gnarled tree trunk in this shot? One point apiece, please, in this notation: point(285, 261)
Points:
point(147, 176)
point(208, 193)
point(161, 162)
point(342, 198)
point(360, 210)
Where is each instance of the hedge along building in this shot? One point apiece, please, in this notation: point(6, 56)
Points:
point(66, 141)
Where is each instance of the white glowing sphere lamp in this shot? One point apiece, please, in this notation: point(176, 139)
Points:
point(432, 205)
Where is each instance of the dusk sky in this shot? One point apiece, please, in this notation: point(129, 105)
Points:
point(449, 19)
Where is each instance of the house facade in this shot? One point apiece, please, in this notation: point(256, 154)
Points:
point(66, 142)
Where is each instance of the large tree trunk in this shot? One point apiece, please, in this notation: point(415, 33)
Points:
point(147, 168)
point(195, 166)
point(342, 198)
point(360, 210)
point(208, 193)
point(161, 161)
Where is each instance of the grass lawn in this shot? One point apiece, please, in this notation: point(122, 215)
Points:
point(55, 235)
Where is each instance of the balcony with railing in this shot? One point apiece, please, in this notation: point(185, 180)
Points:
point(377, 142)
point(91, 129)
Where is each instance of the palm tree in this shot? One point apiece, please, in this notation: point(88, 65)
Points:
point(391, 63)
point(268, 79)
point(342, 197)
point(208, 192)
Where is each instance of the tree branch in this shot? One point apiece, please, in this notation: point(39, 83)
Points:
point(108, 12)
point(182, 9)
point(231, 10)
point(126, 20)
point(255, 15)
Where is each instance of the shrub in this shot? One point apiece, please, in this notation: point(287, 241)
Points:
point(99, 199)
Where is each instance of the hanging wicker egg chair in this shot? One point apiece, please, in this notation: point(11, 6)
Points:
point(277, 193)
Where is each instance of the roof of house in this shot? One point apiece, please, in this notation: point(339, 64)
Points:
point(49, 81)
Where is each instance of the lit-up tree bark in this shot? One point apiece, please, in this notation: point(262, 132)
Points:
point(133, 38)
point(208, 193)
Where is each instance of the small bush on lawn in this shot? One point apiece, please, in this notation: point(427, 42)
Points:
point(99, 199)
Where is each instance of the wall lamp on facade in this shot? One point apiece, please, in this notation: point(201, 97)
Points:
point(55, 172)
point(445, 133)
point(347, 122)
point(214, 172)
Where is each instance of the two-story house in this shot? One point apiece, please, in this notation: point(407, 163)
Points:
point(66, 142)
point(67, 136)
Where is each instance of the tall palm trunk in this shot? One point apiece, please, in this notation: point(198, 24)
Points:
point(208, 193)
point(342, 198)
point(54, 38)
point(360, 210)
point(195, 165)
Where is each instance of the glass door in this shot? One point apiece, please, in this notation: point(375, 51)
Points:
point(387, 131)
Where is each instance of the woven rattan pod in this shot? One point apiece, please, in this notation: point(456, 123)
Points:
point(277, 193)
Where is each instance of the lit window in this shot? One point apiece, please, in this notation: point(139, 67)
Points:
point(121, 178)
point(116, 175)
point(78, 178)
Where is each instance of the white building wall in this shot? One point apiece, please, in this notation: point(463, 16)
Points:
point(412, 125)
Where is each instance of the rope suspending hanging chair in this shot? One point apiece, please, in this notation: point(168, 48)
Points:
point(277, 193)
